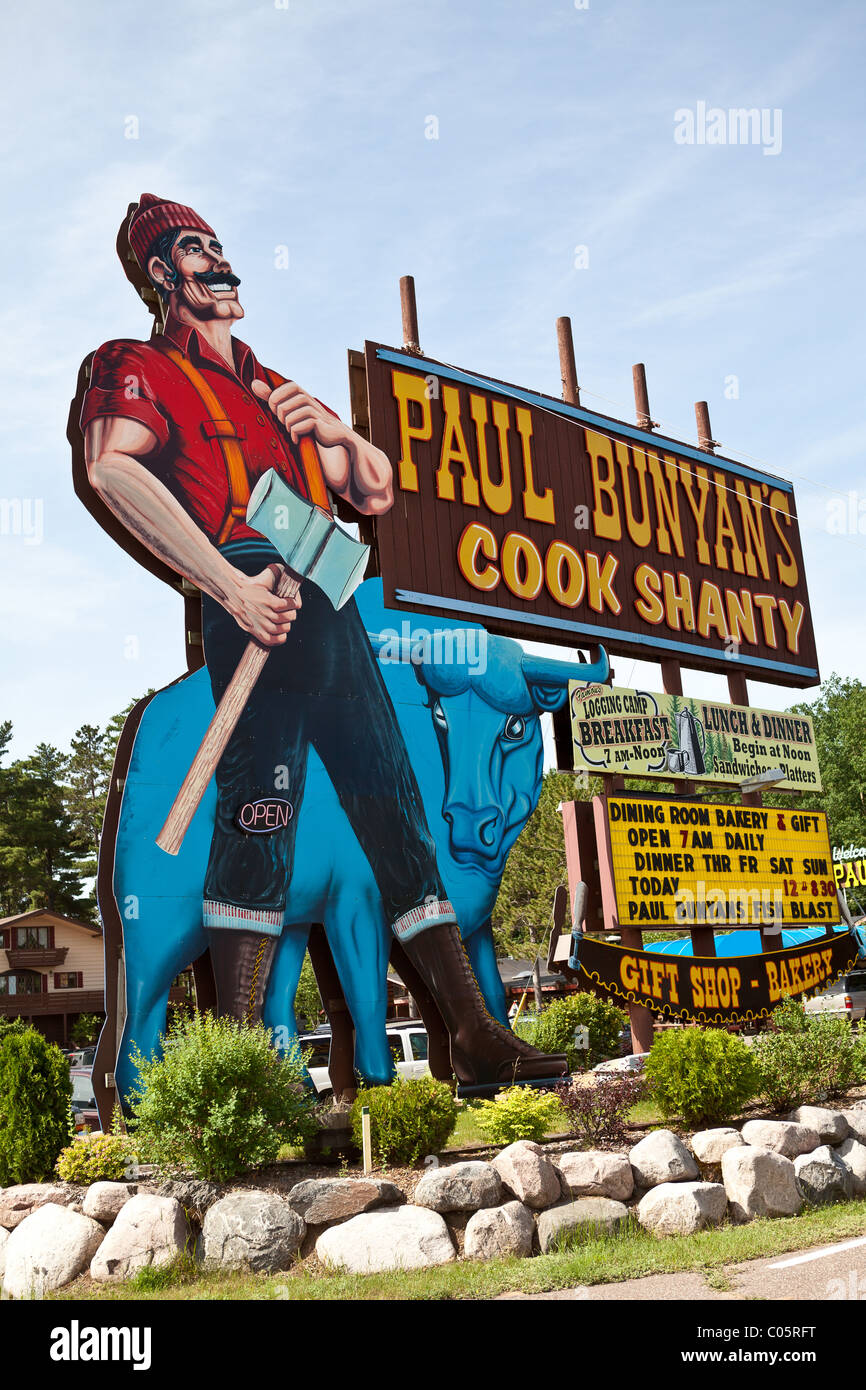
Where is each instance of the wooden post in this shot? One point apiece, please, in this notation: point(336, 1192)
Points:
point(366, 1139)
point(641, 399)
point(705, 437)
point(410, 314)
point(567, 364)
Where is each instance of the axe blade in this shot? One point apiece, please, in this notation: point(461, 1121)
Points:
point(309, 540)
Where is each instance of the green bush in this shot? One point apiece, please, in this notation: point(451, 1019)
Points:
point(518, 1113)
point(807, 1057)
point(95, 1158)
point(702, 1074)
point(35, 1092)
point(85, 1030)
point(602, 1020)
point(409, 1119)
point(221, 1099)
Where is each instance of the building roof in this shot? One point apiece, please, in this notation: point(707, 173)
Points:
point(39, 915)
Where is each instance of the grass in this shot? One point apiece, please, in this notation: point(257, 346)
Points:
point(598, 1260)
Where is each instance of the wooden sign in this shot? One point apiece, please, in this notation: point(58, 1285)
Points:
point(654, 735)
point(683, 864)
point(552, 522)
point(711, 989)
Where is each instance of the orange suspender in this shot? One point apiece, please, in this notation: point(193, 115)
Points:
point(236, 468)
point(309, 458)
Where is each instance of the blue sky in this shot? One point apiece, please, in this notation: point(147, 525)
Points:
point(306, 126)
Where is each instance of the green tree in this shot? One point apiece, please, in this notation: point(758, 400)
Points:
point(39, 849)
point(535, 868)
point(308, 1001)
point(839, 715)
point(89, 770)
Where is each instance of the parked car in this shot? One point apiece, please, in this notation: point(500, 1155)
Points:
point(82, 1057)
point(845, 999)
point(409, 1044)
point(84, 1109)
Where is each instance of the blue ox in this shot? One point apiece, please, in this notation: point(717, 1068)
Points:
point(472, 728)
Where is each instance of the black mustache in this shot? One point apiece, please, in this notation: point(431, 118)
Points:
point(219, 277)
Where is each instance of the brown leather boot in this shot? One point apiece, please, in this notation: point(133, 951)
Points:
point(482, 1050)
point(241, 963)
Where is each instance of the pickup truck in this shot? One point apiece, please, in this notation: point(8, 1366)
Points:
point(845, 999)
point(408, 1044)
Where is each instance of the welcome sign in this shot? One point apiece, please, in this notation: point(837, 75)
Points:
point(652, 735)
point(548, 521)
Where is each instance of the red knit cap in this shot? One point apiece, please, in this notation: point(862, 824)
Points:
point(153, 217)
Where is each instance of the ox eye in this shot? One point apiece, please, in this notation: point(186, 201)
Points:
point(515, 728)
point(439, 715)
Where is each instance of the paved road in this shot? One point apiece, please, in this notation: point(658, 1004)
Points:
point(823, 1273)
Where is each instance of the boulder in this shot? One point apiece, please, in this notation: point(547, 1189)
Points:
point(759, 1182)
point(323, 1200)
point(681, 1208)
point(459, 1187)
point(853, 1155)
point(854, 1118)
point(528, 1175)
point(149, 1230)
point(499, 1231)
point(103, 1200)
point(48, 1249)
point(830, 1126)
point(396, 1238)
point(4, 1240)
point(662, 1157)
point(823, 1177)
point(710, 1144)
point(194, 1194)
point(595, 1173)
point(784, 1137)
point(16, 1203)
point(251, 1229)
point(585, 1215)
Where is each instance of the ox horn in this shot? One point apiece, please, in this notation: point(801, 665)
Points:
point(392, 647)
point(543, 670)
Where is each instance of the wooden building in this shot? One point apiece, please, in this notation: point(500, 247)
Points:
point(51, 970)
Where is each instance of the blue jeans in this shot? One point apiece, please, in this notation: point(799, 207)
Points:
point(321, 687)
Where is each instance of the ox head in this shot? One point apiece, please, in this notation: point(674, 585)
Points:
point(485, 700)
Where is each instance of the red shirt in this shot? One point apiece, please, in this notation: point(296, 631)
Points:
point(139, 382)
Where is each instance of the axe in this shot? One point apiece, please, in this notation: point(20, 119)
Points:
point(314, 548)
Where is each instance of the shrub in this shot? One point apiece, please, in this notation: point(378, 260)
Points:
point(807, 1057)
point(603, 1021)
point(702, 1074)
point(409, 1119)
point(95, 1158)
point(518, 1113)
point(85, 1029)
point(221, 1099)
point(35, 1092)
point(597, 1111)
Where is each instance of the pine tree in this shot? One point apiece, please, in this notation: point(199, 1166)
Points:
point(89, 771)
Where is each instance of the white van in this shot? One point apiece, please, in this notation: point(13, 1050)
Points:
point(845, 999)
point(409, 1045)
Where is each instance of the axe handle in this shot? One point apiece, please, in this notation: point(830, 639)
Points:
point(219, 731)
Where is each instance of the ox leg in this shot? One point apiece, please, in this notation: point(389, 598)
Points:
point(360, 943)
point(151, 961)
point(482, 958)
point(279, 1009)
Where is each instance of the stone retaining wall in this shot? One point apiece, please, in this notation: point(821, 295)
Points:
point(519, 1204)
